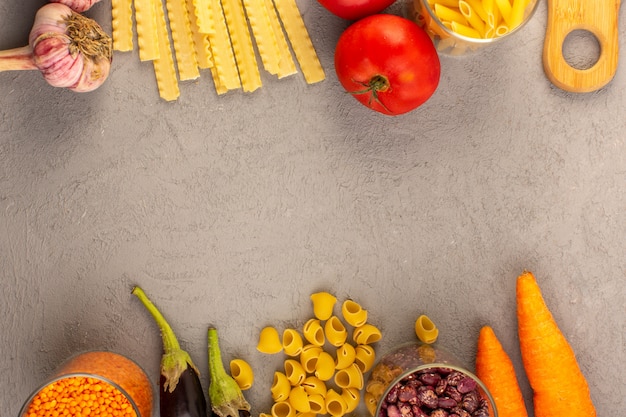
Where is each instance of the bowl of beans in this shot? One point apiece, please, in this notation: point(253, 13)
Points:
point(458, 27)
point(94, 384)
point(422, 380)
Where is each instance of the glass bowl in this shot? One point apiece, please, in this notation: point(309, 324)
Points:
point(468, 28)
point(411, 363)
point(95, 379)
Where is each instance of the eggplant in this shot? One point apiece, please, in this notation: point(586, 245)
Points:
point(180, 390)
point(225, 396)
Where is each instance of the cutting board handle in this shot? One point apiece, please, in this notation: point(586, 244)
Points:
point(599, 17)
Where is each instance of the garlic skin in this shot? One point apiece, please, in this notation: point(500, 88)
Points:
point(77, 5)
point(69, 49)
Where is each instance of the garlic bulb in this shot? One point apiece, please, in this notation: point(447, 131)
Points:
point(68, 48)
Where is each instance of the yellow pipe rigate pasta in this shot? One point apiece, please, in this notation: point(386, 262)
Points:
point(147, 31)
point(335, 404)
point(300, 40)
point(164, 69)
point(365, 357)
point(242, 45)
point(299, 399)
point(345, 356)
point(335, 332)
point(269, 341)
point(180, 29)
point(313, 332)
point(292, 342)
point(323, 305)
point(283, 409)
point(425, 330)
point(366, 334)
point(351, 377)
point(281, 387)
point(351, 396)
point(370, 402)
point(314, 386)
point(353, 313)
point(286, 64)
point(325, 366)
point(122, 24)
point(242, 373)
point(317, 404)
point(308, 357)
point(294, 371)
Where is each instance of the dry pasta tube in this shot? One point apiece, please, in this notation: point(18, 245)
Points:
point(281, 387)
point(313, 332)
point(365, 357)
point(426, 330)
point(308, 357)
point(283, 409)
point(325, 367)
point(294, 371)
point(335, 332)
point(314, 386)
point(292, 342)
point(351, 396)
point(242, 373)
point(299, 399)
point(323, 305)
point(269, 341)
point(335, 404)
point(370, 403)
point(366, 334)
point(353, 313)
point(351, 377)
point(345, 354)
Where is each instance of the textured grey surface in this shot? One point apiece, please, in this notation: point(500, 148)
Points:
point(232, 210)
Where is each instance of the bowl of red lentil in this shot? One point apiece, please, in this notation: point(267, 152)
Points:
point(93, 384)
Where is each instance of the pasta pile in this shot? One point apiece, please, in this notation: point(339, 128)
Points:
point(182, 37)
point(325, 362)
point(481, 19)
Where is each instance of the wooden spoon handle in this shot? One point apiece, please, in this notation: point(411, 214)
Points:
point(598, 17)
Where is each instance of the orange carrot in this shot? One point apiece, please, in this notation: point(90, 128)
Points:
point(560, 388)
point(495, 369)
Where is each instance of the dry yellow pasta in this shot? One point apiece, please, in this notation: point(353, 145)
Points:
point(425, 330)
point(465, 30)
point(504, 6)
point(122, 24)
point(292, 342)
point(350, 377)
point(200, 40)
point(345, 356)
point(265, 39)
point(370, 403)
point(314, 386)
point(202, 12)
point(242, 373)
point(323, 305)
point(335, 332)
point(223, 55)
point(299, 399)
point(281, 387)
point(269, 341)
point(335, 404)
point(313, 332)
point(180, 29)
point(351, 396)
point(317, 404)
point(286, 64)
point(517, 12)
point(300, 40)
point(294, 371)
point(472, 17)
point(366, 334)
point(447, 14)
point(353, 313)
point(242, 45)
point(164, 69)
point(477, 6)
point(325, 366)
point(147, 30)
point(365, 357)
point(283, 409)
point(308, 357)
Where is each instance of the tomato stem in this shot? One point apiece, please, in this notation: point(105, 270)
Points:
point(378, 83)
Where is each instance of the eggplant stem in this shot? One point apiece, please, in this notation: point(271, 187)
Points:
point(170, 342)
point(17, 59)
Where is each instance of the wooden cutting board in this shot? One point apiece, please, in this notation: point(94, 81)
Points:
point(598, 17)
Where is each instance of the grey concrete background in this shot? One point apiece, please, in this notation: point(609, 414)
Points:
point(232, 210)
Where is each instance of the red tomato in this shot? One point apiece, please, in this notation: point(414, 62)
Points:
point(388, 63)
point(355, 9)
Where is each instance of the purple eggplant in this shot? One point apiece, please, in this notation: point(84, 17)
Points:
point(180, 391)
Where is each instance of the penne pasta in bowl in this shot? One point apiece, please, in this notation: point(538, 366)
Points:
point(458, 27)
